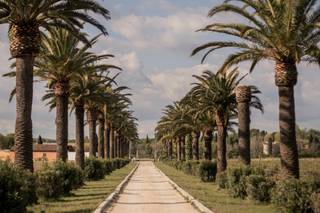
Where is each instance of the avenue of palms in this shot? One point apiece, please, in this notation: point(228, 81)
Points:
point(49, 43)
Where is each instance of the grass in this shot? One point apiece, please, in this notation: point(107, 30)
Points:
point(87, 198)
point(218, 199)
point(211, 196)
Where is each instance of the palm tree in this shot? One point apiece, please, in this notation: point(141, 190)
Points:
point(285, 32)
point(80, 92)
point(216, 94)
point(245, 95)
point(60, 61)
point(26, 19)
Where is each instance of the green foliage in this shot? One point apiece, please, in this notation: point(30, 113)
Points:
point(259, 188)
point(207, 171)
point(73, 177)
point(237, 180)
point(94, 169)
point(49, 182)
point(17, 188)
point(315, 202)
point(292, 196)
point(6, 142)
point(222, 180)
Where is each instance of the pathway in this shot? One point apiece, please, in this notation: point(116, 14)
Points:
point(149, 191)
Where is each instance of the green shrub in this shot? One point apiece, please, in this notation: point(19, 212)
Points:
point(187, 167)
point(49, 182)
point(315, 202)
point(259, 188)
point(207, 171)
point(292, 196)
point(222, 180)
point(94, 169)
point(17, 188)
point(237, 180)
point(73, 177)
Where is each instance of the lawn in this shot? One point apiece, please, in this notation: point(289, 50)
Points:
point(218, 199)
point(211, 196)
point(87, 198)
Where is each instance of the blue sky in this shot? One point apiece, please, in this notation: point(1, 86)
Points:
point(152, 40)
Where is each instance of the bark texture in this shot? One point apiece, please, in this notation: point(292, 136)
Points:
point(243, 94)
point(23, 126)
point(92, 121)
point(107, 140)
point(286, 78)
point(111, 142)
point(170, 149)
point(80, 136)
point(195, 145)
point(178, 143)
point(61, 94)
point(101, 138)
point(183, 147)
point(207, 143)
point(221, 144)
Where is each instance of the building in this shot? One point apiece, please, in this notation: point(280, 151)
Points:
point(41, 151)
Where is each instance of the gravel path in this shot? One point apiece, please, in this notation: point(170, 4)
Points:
point(150, 192)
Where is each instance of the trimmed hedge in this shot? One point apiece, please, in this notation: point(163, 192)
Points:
point(57, 179)
point(205, 170)
point(96, 169)
point(17, 188)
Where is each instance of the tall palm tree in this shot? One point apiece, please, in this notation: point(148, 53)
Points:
point(81, 90)
point(61, 59)
point(245, 95)
point(26, 19)
point(216, 94)
point(285, 32)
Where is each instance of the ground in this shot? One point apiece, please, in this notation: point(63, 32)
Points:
point(149, 191)
point(87, 198)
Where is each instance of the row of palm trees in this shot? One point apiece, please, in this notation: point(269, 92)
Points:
point(211, 105)
point(48, 43)
point(285, 32)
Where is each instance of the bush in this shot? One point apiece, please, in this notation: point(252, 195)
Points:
point(73, 177)
point(207, 171)
point(94, 169)
point(17, 188)
point(49, 182)
point(315, 202)
point(237, 180)
point(222, 180)
point(259, 188)
point(292, 196)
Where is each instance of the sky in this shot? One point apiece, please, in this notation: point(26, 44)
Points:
point(152, 41)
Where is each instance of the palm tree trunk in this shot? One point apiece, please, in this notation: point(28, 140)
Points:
point(221, 143)
point(118, 145)
point(183, 148)
point(286, 78)
point(107, 140)
point(23, 126)
point(178, 149)
point(243, 94)
point(61, 94)
point(92, 121)
point(170, 149)
point(111, 150)
point(80, 136)
point(116, 140)
point(208, 144)
point(195, 145)
point(101, 138)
